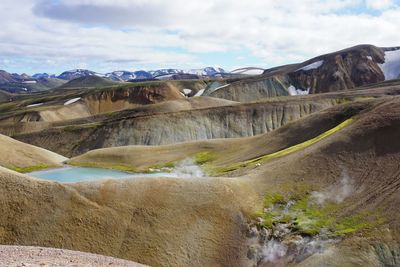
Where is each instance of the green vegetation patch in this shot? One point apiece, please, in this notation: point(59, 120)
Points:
point(273, 199)
point(71, 128)
point(30, 168)
point(126, 168)
point(281, 153)
point(308, 218)
point(204, 157)
point(119, 167)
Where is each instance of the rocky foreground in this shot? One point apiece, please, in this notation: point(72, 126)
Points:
point(18, 256)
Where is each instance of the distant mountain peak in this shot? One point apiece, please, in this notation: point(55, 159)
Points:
point(76, 73)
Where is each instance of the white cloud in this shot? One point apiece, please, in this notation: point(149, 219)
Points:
point(379, 4)
point(179, 33)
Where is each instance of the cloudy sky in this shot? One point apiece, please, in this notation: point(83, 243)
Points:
point(105, 35)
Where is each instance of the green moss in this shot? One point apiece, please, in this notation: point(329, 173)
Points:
point(119, 167)
point(169, 165)
point(29, 168)
point(124, 167)
point(71, 128)
point(268, 220)
point(309, 218)
point(228, 168)
point(204, 157)
point(269, 200)
point(284, 219)
point(358, 222)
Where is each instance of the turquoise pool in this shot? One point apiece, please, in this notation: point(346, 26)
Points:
point(80, 174)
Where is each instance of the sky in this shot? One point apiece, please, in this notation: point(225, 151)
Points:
point(106, 35)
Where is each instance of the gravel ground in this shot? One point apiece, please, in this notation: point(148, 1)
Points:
point(20, 256)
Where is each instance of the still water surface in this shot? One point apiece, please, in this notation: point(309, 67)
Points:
point(81, 174)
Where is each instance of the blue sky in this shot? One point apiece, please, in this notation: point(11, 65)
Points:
point(101, 35)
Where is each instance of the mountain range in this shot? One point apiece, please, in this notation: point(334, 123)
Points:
point(345, 69)
point(124, 75)
point(43, 81)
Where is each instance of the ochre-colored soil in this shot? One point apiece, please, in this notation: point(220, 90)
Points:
point(203, 221)
point(20, 156)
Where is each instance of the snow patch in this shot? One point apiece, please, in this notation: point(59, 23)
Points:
point(312, 66)
point(248, 71)
point(223, 86)
point(253, 72)
point(34, 105)
point(294, 91)
point(187, 91)
point(208, 71)
point(165, 77)
point(73, 100)
point(200, 92)
point(391, 67)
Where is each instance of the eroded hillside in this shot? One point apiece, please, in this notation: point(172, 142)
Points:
point(210, 221)
point(295, 167)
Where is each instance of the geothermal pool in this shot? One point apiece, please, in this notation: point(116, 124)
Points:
point(80, 174)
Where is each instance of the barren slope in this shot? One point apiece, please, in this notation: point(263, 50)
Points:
point(146, 126)
point(205, 221)
point(24, 157)
point(156, 221)
point(366, 149)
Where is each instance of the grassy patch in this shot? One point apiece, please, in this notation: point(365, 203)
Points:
point(121, 167)
point(30, 168)
point(310, 219)
point(274, 199)
point(281, 153)
point(169, 165)
point(118, 167)
point(203, 157)
point(358, 222)
point(71, 128)
point(125, 167)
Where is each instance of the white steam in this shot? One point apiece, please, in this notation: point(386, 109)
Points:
point(273, 250)
point(187, 168)
point(335, 193)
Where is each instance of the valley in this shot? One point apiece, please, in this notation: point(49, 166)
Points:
point(296, 165)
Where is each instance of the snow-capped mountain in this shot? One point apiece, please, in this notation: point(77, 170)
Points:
point(16, 83)
point(73, 74)
point(124, 75)
point(208, 71)
point(162, 72)
point(43, 76)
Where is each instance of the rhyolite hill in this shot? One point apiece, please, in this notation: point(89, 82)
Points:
point(300, 162)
